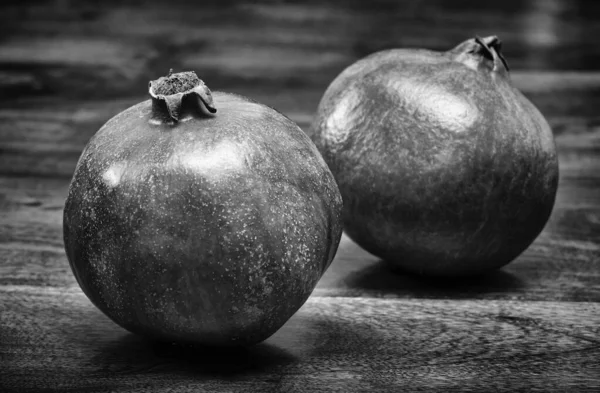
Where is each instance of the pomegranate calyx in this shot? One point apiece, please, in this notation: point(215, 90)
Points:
point(492, 49)
point(176, 92)
point(480, 52)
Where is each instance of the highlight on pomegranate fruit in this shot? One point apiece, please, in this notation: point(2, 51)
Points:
point(200, 218)
point(445, 168)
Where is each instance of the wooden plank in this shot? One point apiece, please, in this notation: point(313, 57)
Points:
point(48, 141)
point(537, 33)
point(101, 57)
point(86, 50)
point(562, 264)
point(56, 340)
point(67, 67)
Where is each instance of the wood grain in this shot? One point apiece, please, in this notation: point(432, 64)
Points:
point(562, 264)
point(45, 138)
point(341, 344)
point(67, 66)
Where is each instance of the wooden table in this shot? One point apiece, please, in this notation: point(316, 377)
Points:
point(66, 67)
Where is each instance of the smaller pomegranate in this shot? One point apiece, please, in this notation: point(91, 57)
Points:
point(445, 168)
point(190, 225)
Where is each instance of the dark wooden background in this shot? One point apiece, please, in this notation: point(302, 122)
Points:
point(67, 66)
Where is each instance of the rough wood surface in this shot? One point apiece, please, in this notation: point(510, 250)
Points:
point(339, 344)
point(562, 264)
point(66, 67)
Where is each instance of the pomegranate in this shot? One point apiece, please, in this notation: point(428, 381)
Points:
point(445, 168)
point(189, 225)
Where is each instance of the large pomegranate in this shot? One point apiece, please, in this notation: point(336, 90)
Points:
point(445, 168)
point(191, 225)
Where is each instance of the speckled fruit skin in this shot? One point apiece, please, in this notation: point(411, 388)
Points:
point(445, 168)
point(212, 231)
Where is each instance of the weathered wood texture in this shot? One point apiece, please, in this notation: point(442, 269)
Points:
point(562, 264)
point(66, 67)
point(338, 344)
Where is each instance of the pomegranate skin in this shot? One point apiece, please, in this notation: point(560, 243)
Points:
point(211, 230)
point(444, 167)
